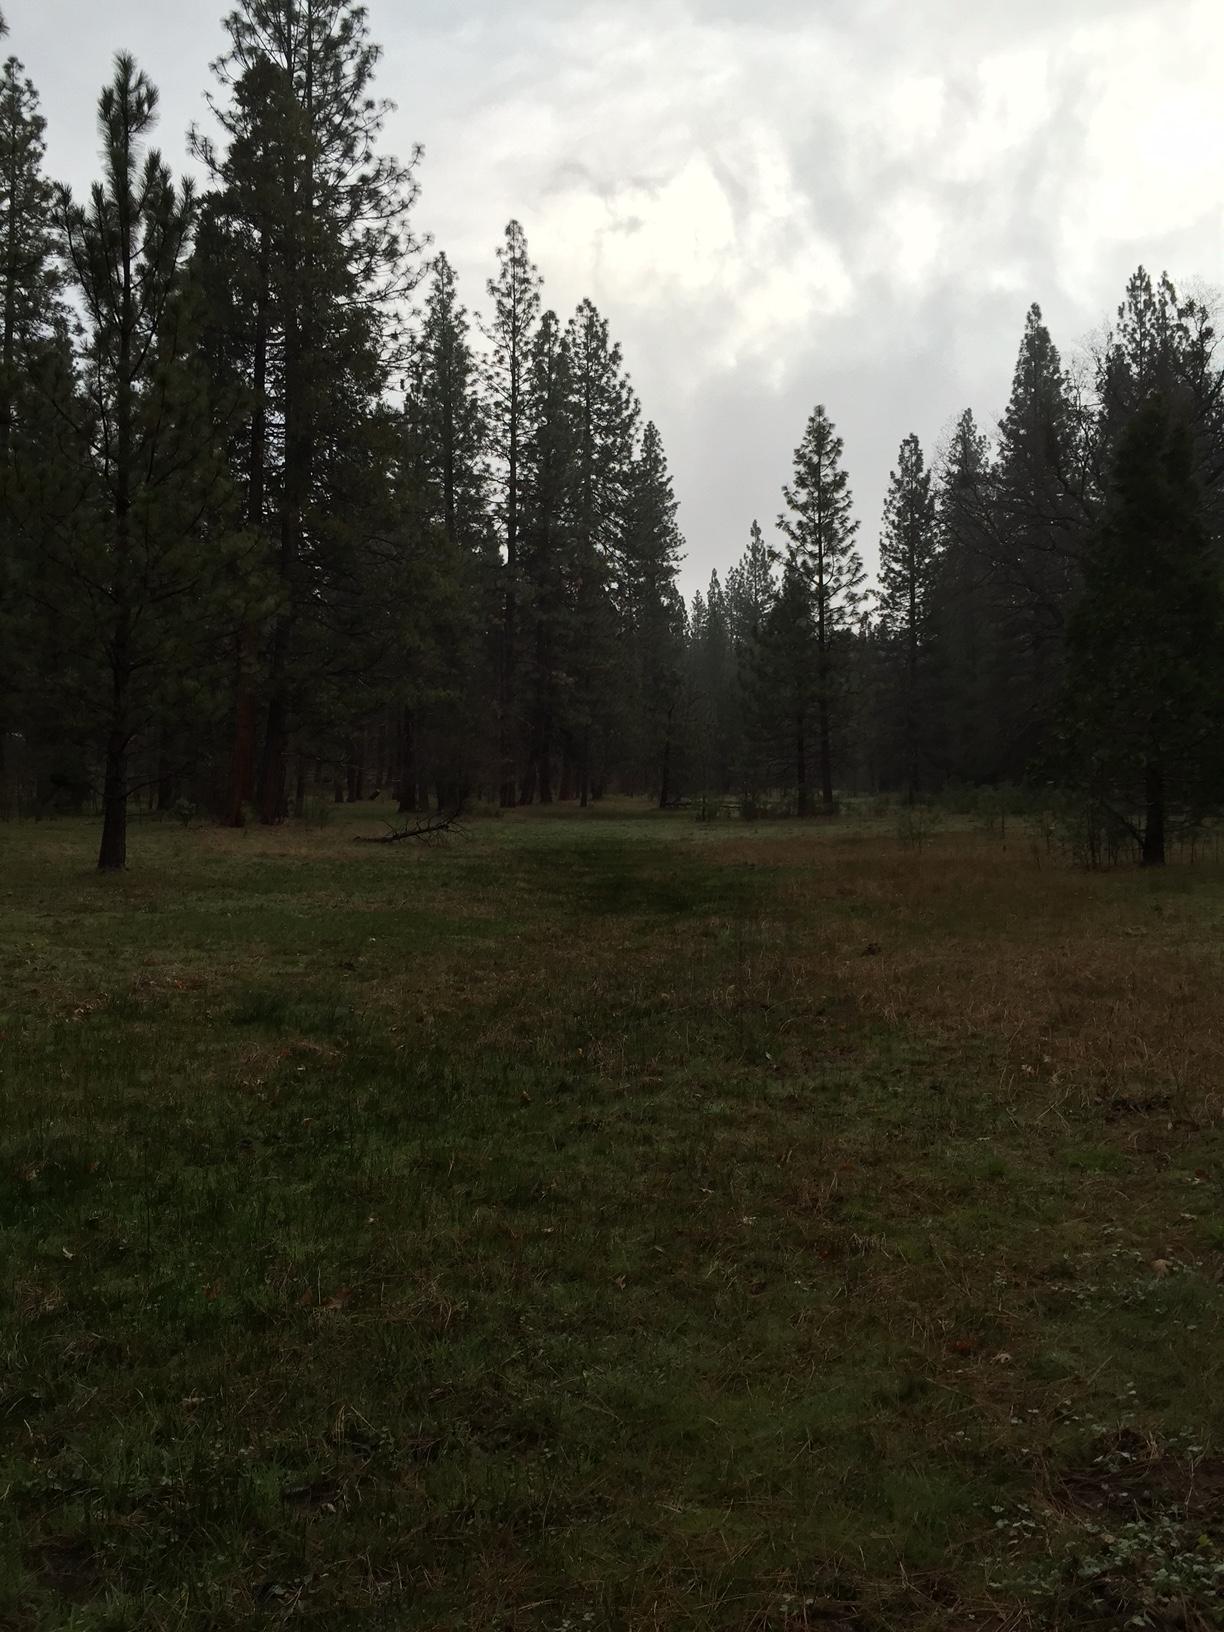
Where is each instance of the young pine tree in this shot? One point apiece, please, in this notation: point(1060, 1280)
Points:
point(820, 524)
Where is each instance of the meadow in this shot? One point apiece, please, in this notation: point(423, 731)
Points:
point(608, 1221)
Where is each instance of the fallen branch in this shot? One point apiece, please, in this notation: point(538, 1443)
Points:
point(429, 831)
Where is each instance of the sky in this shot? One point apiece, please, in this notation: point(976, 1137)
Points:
point(775, 204)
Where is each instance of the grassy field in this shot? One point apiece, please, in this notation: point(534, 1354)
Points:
point(610, 1223)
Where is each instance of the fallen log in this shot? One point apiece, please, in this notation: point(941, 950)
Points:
point(426, 832)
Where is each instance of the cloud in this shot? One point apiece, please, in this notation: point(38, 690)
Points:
point(776, 203)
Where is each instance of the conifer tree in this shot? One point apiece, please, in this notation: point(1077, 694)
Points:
point(791, 685)
point(136, 573)
point(1144, 699)
point(515, 293)
point(325, 244)
point(752, 589)
point(547, 537)
point(965, 614)
point(908, 555)
point(820, 524)
point(1038, 538)
point(652, 616)
point(33, 355)
point(604, 412)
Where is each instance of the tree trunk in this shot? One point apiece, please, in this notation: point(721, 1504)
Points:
point(246, 729)
point(408, 766)
point(1154, 820)
point(801, 782)
point(584, 771)
point(112, 853)
point(167, 791)
point(826, 755)
point(665, 793)
point(246, 721)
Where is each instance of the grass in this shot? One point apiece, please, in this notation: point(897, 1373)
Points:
point(608, 1223)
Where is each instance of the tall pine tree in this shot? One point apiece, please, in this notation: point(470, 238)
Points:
point(819, 521)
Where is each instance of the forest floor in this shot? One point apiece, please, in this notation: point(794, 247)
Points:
point(608, 1223)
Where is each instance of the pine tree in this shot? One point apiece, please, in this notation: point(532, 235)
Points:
point(604, 413)
point(652, 616)
point(965, 611)
point(447, 414)
point(547, 538)
point(1164, 344)
point(319, 225)
point(790, 681)
point(515, 293)
point(908, 554)
point(752, 589)
point(136, 573)
point(820, 524)
point(1040, 515)
point(33, 327)
point(1144, 699)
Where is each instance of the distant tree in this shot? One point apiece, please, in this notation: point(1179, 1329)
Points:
point(820, 524)
point(908, 557)
point(752, 589)
point(604, 412)
point(964, 615)
point(1144, 697)
point(136, 572)
point(790, 678)
point(515, 293)
point(547, 459)
point(1040, 518)
point(652, 617)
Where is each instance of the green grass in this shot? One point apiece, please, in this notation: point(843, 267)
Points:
point(611, 1223)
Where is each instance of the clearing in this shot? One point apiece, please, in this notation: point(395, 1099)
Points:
point(609, 1223)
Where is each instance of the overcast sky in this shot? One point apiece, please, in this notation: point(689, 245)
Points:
point(774, 203)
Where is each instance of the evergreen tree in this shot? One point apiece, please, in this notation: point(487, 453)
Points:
point(1144, 700)
point(33, 355)
point(515, 293)
point(908, 554)
point(320, 227)
point(652, 616)
point(791, 679)
point(820, 524)
point(604, 412)
point(1039, 520)
point(547, 536)
point(965, 613)
point(752, 589)
point(137, 573)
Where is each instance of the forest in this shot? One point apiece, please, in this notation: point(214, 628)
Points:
point(752, 1158)
point(286, 521)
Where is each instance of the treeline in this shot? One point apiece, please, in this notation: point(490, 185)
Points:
point(281, 519)
point(284, 521)
point(1049, 601)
